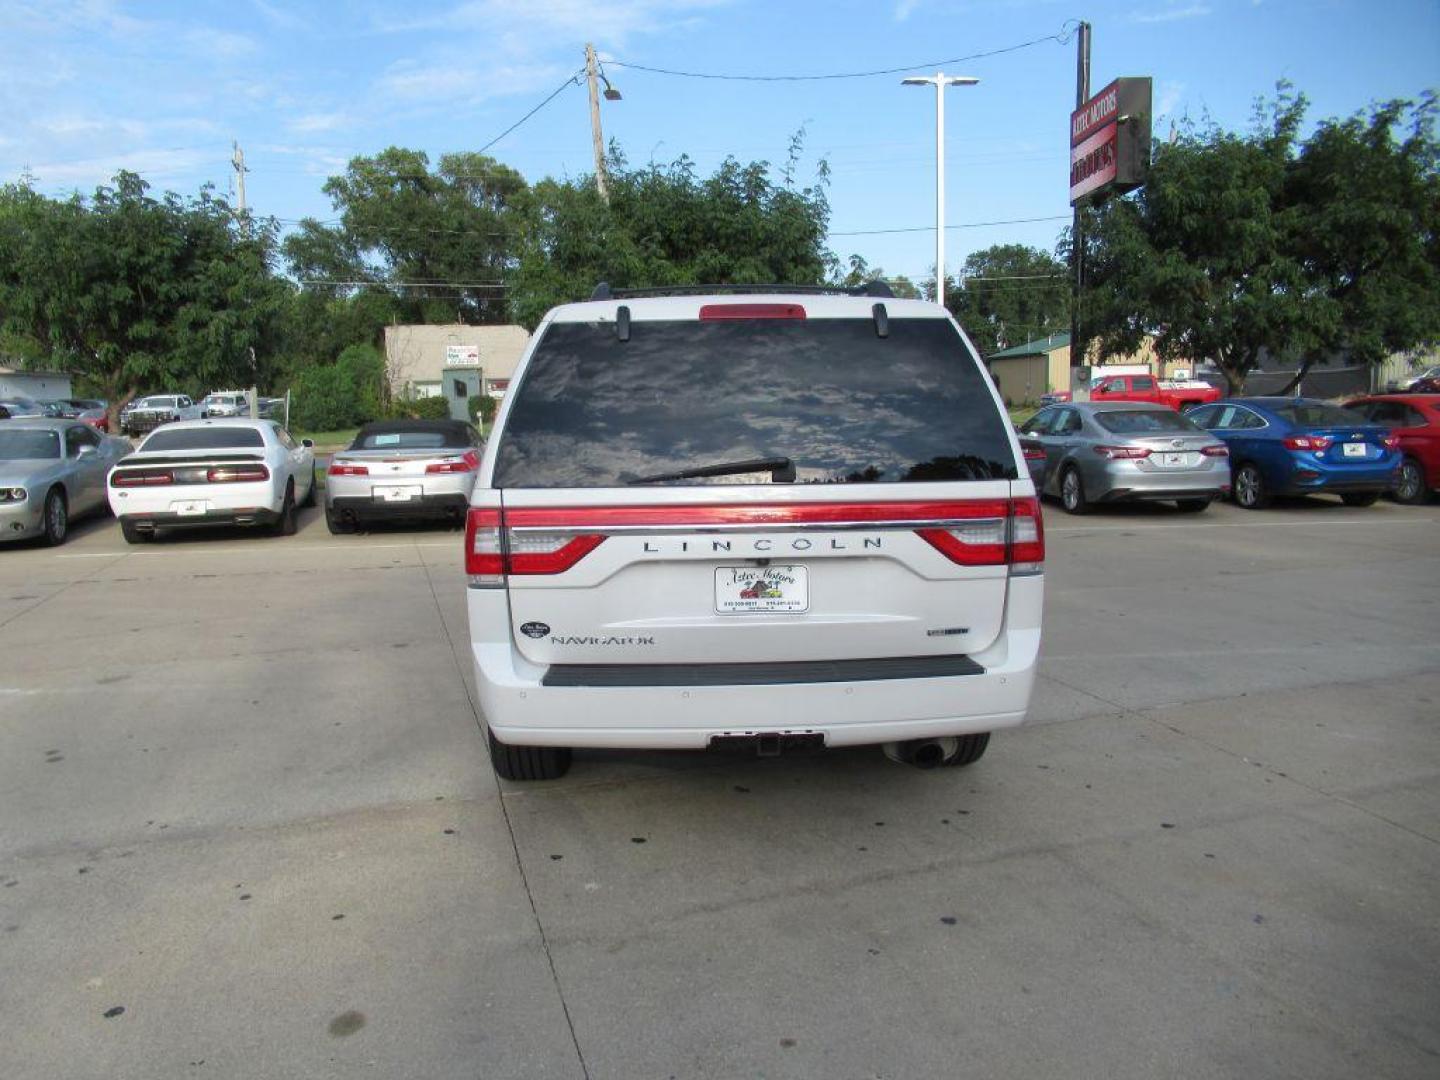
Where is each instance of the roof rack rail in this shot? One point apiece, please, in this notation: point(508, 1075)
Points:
point(879, 289)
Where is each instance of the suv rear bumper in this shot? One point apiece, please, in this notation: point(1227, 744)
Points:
point(522, 710)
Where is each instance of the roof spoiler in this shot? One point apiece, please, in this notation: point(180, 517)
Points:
point(879, 289)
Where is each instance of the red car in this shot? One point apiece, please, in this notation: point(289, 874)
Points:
point(1415, 419)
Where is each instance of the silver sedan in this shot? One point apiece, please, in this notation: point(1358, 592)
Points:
point(403, 469)
point(52, 471)
point(1101, 452)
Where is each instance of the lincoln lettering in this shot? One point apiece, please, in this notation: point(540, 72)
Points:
point(764, 544)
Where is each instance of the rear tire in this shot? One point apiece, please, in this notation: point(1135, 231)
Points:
point(1191, 506)
point(1249, 488)
point(338, 524)
point(56, 522)
point(135, 535)
point(1072, 491)
point(972, 749)
point(1360, 498)
point(528, 762)
point(1411, 489)
point(285, 526)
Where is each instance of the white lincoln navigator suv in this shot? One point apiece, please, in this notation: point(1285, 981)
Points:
point(778, 518)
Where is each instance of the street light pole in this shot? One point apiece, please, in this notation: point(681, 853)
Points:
point(940, 81)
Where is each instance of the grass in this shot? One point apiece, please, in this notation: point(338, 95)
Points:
point(1019, 415)
point(328, 440)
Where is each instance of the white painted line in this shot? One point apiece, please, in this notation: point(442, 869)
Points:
point(1283, 523)
point(1194, 654)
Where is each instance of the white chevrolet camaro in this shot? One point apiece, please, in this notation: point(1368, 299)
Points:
point(213, 472)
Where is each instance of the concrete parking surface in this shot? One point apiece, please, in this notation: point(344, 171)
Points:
point(248, 829)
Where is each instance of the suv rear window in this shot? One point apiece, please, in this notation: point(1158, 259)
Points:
point(211, 438)
point(844, 405)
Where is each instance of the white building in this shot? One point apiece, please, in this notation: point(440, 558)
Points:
point(35, 385)
point(453, 360)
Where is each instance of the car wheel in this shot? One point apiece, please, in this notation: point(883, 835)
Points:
point(286, 525)
point(972, 749)
point(1360, 498)
point(134, 534)
point(528, 762)
point(57, 517)
point(1249, 488)
point(1192, 506)
point(1072, 492)
point(310, 495)
point(338, 523)
point(1410, 489)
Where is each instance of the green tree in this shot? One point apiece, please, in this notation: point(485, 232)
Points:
point(1243, 243)
point(441, 240)
point(666, 226)
point(342, 394)
point(860, 272)
point(1009, 294)
point(135, 293)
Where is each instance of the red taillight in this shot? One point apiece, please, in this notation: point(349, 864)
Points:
point(999, 532)
point(1392, 442)
point(142, 478)
point(469, 462)
point(1033, 453)
point(1218, 450)
point(237, 474)
point(1308, 442)
point(494, 547)
point(1122, 452)
point(338, 469)
point(720, 312)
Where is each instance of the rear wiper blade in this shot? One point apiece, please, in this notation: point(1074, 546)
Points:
point(781, 470)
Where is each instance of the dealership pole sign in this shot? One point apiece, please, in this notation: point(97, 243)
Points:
point(1110, 141)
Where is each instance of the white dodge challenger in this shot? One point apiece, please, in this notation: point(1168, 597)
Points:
point(213, 472)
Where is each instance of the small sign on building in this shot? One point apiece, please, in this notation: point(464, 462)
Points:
point(462, 355)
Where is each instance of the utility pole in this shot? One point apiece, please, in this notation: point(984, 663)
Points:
point(237, 159)
point(1077, 227)
point(592, 76)
point(940, 81)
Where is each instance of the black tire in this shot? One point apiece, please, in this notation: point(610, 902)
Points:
point(56, 518)
point(285, 526)
point(134, 534)
point(310, 495)
point(972, 749)
point(528, 762)
point(1360, 498)
point(1191, 506)
point(1072, 492)
point(1411, 488)
point(1249, 489)
point(338, 524)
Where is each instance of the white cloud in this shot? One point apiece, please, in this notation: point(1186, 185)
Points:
point(1173, 14)
point(212, 44)
point(905, 8)
point(315, 122)
point(1170, 95)
point(543, 22)
point(154, 165)
point(278, 16)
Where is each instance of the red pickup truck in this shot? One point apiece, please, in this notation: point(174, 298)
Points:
point(1175, 395)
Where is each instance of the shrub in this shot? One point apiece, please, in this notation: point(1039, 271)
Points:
point(482, 409)
point(425, 408)
point(328, 397)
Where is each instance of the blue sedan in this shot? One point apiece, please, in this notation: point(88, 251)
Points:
point(1300, 446)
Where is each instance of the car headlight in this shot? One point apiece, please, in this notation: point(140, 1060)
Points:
point(14, 494)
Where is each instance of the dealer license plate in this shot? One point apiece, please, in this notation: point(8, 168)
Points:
point(189, 509)
point(740, 589)
point(396, 492)
point(1174, 461)
point(1354, 449)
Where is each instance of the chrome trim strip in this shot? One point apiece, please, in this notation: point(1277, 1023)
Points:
point(691, 530)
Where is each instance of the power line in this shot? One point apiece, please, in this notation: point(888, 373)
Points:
point(572, 80)
point(1062, 37)
point(966, 225)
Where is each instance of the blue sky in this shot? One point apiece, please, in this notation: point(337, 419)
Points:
point(91, 86)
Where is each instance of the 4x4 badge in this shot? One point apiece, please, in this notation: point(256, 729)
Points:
point(535, 629)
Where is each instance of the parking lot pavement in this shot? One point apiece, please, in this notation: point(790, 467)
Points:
point(244, 799)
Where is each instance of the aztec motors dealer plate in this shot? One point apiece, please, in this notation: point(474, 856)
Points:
point(741, 589)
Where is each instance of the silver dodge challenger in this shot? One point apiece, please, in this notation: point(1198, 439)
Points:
point(52, 471)
point(1101, 452)
point(403, 469)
